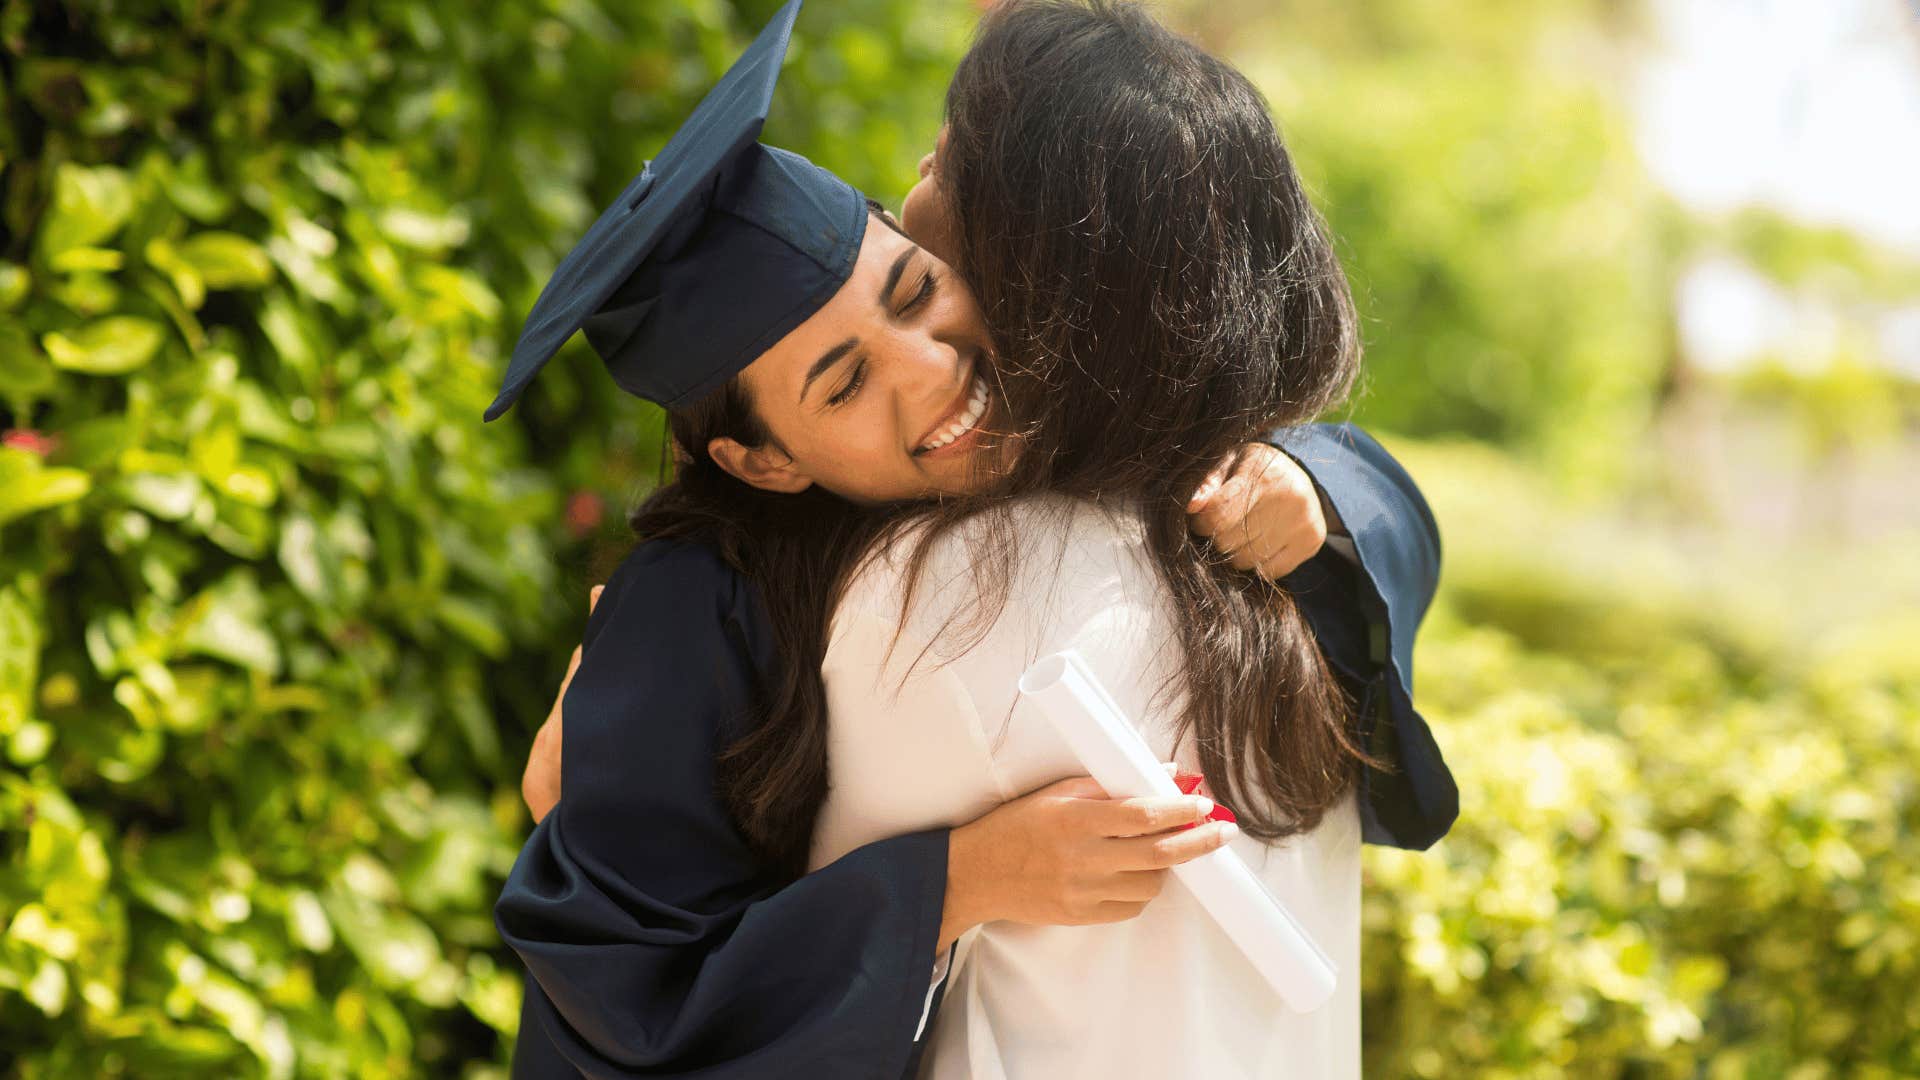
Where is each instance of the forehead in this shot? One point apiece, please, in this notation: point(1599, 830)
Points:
point(853, 313)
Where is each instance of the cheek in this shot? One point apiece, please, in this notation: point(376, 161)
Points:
point(925, 218)
point(852, 451)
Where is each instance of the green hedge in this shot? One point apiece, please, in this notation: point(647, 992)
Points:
point(277, 614)
point(1689, 842)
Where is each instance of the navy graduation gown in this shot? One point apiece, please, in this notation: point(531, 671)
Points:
point(655, 944)
point(1365, 623)
point(657, 947)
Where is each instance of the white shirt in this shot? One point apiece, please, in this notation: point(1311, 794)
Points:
point(928, 729)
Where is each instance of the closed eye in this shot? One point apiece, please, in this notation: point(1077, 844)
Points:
point(852, 387)
point(928, 284)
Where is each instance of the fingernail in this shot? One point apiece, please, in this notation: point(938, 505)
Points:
point(1228, 830)
point(1202, 807)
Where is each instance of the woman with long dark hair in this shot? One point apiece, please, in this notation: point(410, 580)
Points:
point(1193, 302)
point(658, 906)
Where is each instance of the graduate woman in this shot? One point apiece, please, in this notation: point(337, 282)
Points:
point(657, 907)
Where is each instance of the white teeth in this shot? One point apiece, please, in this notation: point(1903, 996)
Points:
point(976, 407)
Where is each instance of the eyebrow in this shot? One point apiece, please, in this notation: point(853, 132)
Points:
point(893, 274)
point(827, 360)
point(838, 352)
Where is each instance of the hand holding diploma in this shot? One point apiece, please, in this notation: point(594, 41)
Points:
point(1113, 753)
point(1068, 855)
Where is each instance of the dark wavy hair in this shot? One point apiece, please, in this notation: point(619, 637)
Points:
point(1160, 292)
point(798, 550)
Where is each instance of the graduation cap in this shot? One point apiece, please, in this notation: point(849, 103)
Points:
point(717, 250)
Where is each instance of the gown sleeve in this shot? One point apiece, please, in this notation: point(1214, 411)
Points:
point(1366, 621)
point(654, 943)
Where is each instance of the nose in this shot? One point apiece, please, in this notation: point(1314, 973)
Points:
point(924, 373)
point(928, 368)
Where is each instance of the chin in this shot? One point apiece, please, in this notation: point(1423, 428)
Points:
point(869, 493)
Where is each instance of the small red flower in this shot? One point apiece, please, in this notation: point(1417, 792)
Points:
point(31, 441)
point(585, 510)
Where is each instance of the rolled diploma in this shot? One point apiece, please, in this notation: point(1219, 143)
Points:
point(1114, 754)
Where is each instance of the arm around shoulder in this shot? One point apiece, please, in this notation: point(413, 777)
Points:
point(1397, 549)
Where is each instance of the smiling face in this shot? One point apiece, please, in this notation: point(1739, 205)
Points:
point(881, 394)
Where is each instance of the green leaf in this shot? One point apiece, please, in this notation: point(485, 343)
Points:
point(89, 205)
point(197, 196)
point(424, 231)
point(15, 283)
point(27, 486)
point(492, 994)
point(165, 1049)
point(287, 330)
point(196, 692)
point(20, 641)
point(393, 946)
point(215, 451)
point(300, 557)
point(227, 260)
point(111, 346)
point(250, 484)
point(48, 988)
point(25, 373)
point(80, 259)
point(29, 745)
point(475, 622)
point(162, 256)
point(229, 623)
point(168, 496)
point(449, 870)
point(87, 293)
point(307, 922)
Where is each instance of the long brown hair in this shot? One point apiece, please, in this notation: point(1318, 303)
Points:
point(1160, 292)
point(797, 550)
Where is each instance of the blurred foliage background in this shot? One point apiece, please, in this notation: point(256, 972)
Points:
point(278, 616)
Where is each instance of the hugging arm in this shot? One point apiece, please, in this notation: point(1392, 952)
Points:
point(654, 943)
point(1365, 614)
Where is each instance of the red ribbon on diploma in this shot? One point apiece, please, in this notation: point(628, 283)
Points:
point(1188, 783)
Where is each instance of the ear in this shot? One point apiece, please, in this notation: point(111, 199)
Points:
point(767, 468)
